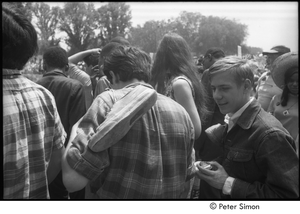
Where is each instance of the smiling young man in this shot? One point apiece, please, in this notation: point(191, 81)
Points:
point(259, 158)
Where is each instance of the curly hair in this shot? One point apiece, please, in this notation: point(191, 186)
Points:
point(55, 57)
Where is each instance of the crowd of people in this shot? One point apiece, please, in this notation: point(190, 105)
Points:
point(125, 126)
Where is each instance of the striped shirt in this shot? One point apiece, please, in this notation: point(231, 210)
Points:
point(153, 160)
point(31, 131)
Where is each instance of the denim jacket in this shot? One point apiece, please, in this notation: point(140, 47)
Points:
point(260, 154)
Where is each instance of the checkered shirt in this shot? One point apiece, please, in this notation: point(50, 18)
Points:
point(153, 160)
point(31, 131)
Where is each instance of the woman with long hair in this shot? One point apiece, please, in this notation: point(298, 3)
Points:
point(174, 74)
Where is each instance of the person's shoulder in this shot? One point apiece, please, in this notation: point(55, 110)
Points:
point(167, 103)
point(268, 122)
point(181, 82)
point(43, 93)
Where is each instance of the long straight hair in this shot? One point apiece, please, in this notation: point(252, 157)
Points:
point(174, 58)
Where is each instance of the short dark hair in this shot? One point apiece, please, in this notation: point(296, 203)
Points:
point(91, 60)
point(128, 63)
point(19, 38)
point(55, 57)
point(120, 40)
point(215, 52)
point(108, 48)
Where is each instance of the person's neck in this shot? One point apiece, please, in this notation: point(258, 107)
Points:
point(121, 84)
point(54, 69)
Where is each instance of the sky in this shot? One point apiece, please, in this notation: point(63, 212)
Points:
point(269, 23)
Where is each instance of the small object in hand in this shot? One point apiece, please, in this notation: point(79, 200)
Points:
point(205, 165)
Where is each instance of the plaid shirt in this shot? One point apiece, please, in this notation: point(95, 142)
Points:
point(153, 160)
point(31, 131)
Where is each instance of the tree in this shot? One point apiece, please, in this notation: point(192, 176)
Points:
point(200, 32)
point(113, 20)
point(47, 23)
point(146, 37)
point(220, 32)
point(25, 7)
point(77, 19)
point(187, 25)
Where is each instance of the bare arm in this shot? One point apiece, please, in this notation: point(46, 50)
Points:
point(183, 95)
point(80, 55)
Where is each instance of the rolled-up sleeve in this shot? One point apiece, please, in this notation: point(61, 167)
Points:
point(80, 157)
point(88, 163)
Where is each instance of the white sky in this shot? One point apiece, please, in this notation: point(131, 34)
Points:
point(269, 23)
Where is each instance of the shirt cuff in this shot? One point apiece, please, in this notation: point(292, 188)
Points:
point(228, 186)
point(84, 161)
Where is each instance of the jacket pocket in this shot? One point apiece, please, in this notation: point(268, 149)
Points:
point(240, 164)
point(239, 155)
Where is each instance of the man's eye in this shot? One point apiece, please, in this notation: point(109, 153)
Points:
point(224, 89)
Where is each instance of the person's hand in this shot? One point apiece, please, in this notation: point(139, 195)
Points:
point(95, 51)
point(216, 177)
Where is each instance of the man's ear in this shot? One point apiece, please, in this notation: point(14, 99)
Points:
point(115, 78)
point(44, 66)
point(67, 67)
point(248, 84)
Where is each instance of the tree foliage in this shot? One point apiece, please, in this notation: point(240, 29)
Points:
point(220, 32)
point(87, 27)
point(113, 19)
point(188, 26)
point(25, 7)
point(77, 20)
point(148, 36)
point(47, 23)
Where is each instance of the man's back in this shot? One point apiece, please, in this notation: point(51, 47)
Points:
point(32, 131)
point(153, 160)
point(70, 101)
point(69, 97)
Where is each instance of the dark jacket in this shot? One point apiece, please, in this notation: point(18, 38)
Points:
point(261, 155)
point(69, 97)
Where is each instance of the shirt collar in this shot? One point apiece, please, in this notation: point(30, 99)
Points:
point(234, 117)
point(55, 72)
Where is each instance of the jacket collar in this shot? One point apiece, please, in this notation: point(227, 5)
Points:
point(55, 72)
point(247, 118)
point(138, 83)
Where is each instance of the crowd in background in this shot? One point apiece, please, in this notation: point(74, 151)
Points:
point(217, 127)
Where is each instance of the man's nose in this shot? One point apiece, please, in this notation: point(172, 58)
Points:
point(217, 95)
